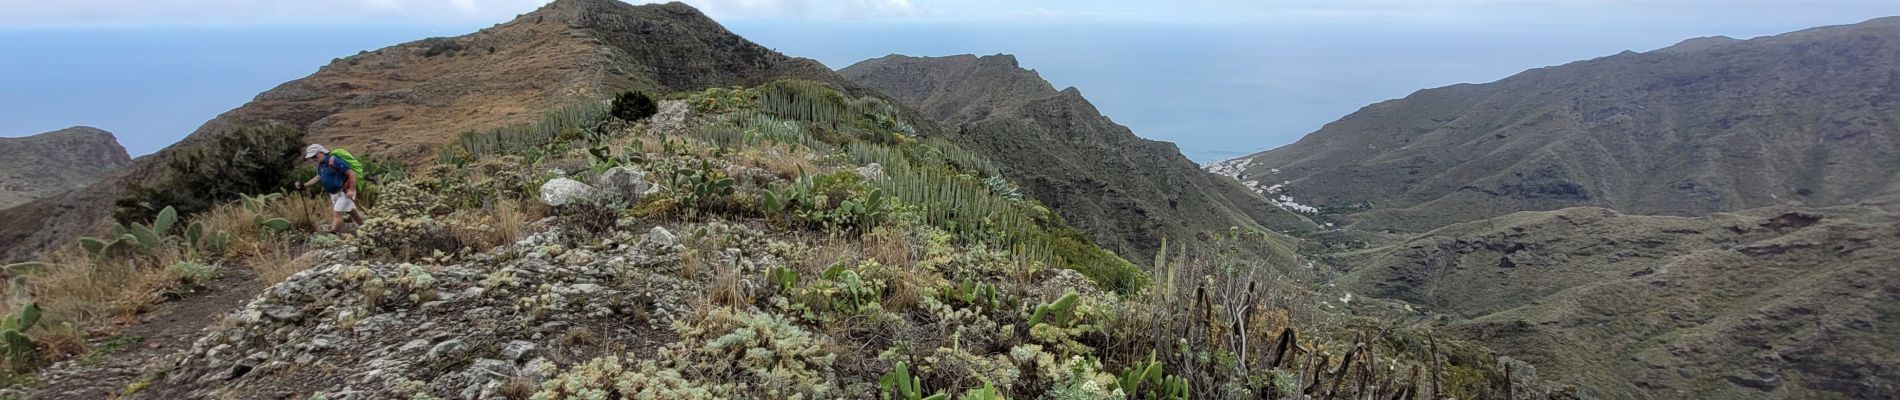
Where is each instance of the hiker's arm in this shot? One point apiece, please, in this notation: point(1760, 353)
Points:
point(312, 181)
point(349, 185)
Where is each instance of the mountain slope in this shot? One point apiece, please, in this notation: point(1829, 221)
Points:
point(46, 164)
point(1769, 303)
point(402, 102)
point(1710, 125)
point(1129, 193)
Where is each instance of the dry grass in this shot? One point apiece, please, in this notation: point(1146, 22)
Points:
point(277, 261)
point(691, 262)
point(84, 297)
point(891, 246)
point(782, 163)
point(907, 287)
point(729, 287)
point(517, 388)
point(303, 212)
point(828, 251)
point(501, 224)
point(78, 293)
point(578, 336)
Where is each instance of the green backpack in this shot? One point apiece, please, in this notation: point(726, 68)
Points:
point(349, 159)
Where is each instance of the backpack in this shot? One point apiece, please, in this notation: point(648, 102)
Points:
point(350, 159)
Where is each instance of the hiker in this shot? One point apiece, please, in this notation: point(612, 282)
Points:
point(338, 176)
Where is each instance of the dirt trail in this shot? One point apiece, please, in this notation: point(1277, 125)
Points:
point(158, 334)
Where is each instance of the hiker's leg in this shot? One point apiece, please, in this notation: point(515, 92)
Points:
point(336, 220)
point(356, 216)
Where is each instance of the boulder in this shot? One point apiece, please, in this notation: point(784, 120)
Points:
point(446, 350)
point(661, 237)
point(517, 350)
point(671, 118)
point(562, 191)
point(871, 172)
point(627, 183)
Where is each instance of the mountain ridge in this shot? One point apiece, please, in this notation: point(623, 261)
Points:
point(1668, 132)
point(49, 163)
point(1130, 193)
point(401, 102)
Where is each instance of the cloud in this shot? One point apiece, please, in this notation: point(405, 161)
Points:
point(242, 12)
point(136, 12)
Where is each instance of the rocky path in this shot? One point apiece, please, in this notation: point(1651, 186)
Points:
point(149, 344)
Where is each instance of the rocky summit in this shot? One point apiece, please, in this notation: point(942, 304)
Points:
point(47, 164)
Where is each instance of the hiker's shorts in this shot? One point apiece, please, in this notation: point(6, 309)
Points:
point(340, 202)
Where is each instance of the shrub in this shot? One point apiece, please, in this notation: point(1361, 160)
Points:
point(717, 100)
point(588, 218)
point(439, 46)
point(634, 106)
point(406, 238)
point(248, 160)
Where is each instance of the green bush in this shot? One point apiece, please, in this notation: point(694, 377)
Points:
point(719, 100)
point(256, 159)
point(634, 106)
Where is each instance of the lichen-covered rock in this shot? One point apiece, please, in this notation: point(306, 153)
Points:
point(659, 236)
point(353, 328)
point(671, 117)
point(871, 172)
point(627, 183)
point(562, 191)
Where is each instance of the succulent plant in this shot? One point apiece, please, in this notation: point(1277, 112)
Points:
point(14, 342)
point(900, 385)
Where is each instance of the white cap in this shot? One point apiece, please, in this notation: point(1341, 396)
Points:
point(314, 150)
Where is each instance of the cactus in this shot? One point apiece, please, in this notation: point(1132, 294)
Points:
point(974, 293)
point(1057, 313)
point(1158, 386)
point(866, 212)
point(92, 245)
point(256, 203)
point(194, 233)
point(701, 186)
point(17, 269)
point(135, 236)
point(218, 242)
point(13, 329)
point(274, 224)
point(987, 392)
point(900, 385)
point(786, 278)
point(162, 225)
point(102, 249)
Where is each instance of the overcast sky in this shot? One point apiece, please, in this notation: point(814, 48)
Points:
point(1570, 12)
point(1222, 78)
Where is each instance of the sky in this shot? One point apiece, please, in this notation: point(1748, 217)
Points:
point(1221, 78)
